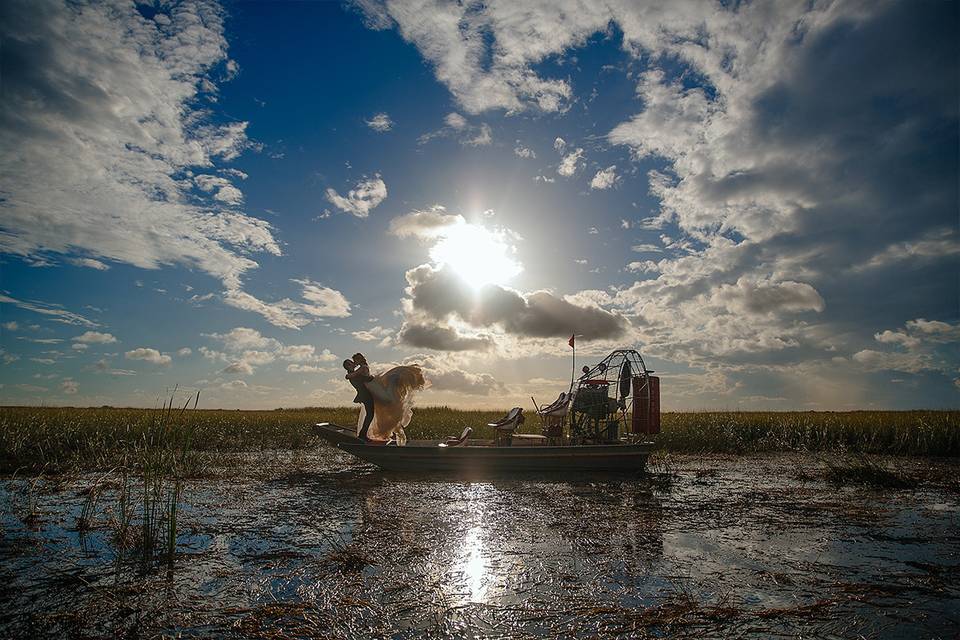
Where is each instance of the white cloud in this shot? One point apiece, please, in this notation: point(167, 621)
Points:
point(442, 376)
point(428, 223)
point(184, 352)
point(80, 347)
point(41, 340)
point(363, 198)
point(10, 326)
point(524, 152)
point(70, 387)
point(897, 337)
point(324, 301)
point(936, 244)
point(247, 348)
point(373, 334)
point(570, 163)
point(241, 367)
point(452, 38)
point(320, 302)
point(459, 128)
point(764, 296)
point(307, 368)
point(222, 189)
point(455, 121)
point(95, 337)
point(481, 138)
point(559, 144)
point(148, 355)
point(90, 263)
point(605, 178)
point(107, 108)
point(53, 311)
point(244, 338)
point(380, 123)
point(775, 172)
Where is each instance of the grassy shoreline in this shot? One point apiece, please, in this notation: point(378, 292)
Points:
point(51, 440)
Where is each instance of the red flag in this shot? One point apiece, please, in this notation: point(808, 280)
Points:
point(572, 340)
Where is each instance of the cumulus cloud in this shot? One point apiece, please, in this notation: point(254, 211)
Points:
point(453, 38)
point(776, 172)
point(95, 337)
point(762, 297)
point(244, 349)
point(70, 387)
point(442, 376)
point(605, 178)
point(427, 223)
point(101, 100)
point(184, 352)
point(570, 163)
point(441, 338)
point(148, 355)
point(380, 123)
point(363, 198)
point(438, 294)
point(559, 144)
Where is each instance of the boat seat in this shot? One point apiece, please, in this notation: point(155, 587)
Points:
point(557, 408)
point(507, 425)
point(456, 442)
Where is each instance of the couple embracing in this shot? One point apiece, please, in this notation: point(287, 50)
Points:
point(386, 398)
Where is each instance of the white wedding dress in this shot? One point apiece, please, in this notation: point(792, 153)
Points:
point(392, 402)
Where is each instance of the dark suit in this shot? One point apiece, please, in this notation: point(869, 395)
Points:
point(365, 398)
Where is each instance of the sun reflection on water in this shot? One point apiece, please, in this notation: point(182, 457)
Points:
point(470, 569)
point(473, 565)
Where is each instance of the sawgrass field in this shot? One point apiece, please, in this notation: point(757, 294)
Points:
point(191, 442)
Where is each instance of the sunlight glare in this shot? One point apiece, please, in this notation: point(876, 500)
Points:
point(478, 255)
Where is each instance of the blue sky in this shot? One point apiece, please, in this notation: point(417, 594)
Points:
point(761, 198)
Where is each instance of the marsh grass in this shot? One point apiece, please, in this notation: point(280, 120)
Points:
point(866, 471)
point(920, 433)
point(184, 442)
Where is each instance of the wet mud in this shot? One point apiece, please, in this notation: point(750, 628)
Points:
point(716, 547)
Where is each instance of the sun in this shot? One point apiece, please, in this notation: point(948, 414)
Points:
point(476, 254)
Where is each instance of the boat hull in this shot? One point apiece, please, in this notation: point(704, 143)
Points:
point(335, 434)
point(615, 458)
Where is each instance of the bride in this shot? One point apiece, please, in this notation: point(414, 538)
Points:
point(392, 399)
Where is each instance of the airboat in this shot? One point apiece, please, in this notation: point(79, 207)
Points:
point(603, 423)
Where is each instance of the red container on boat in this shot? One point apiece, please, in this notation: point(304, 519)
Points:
point(646, 405)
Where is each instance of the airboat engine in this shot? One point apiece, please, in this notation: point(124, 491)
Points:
point(615, 397)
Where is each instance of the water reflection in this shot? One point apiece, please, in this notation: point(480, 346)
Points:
point(347, 552)
point(472, 566)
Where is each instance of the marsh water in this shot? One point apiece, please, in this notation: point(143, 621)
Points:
point(326, 546)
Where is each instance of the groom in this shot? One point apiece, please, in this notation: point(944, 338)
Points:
point(358, 373)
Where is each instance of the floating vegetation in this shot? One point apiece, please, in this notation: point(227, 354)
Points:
point(863, 470)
